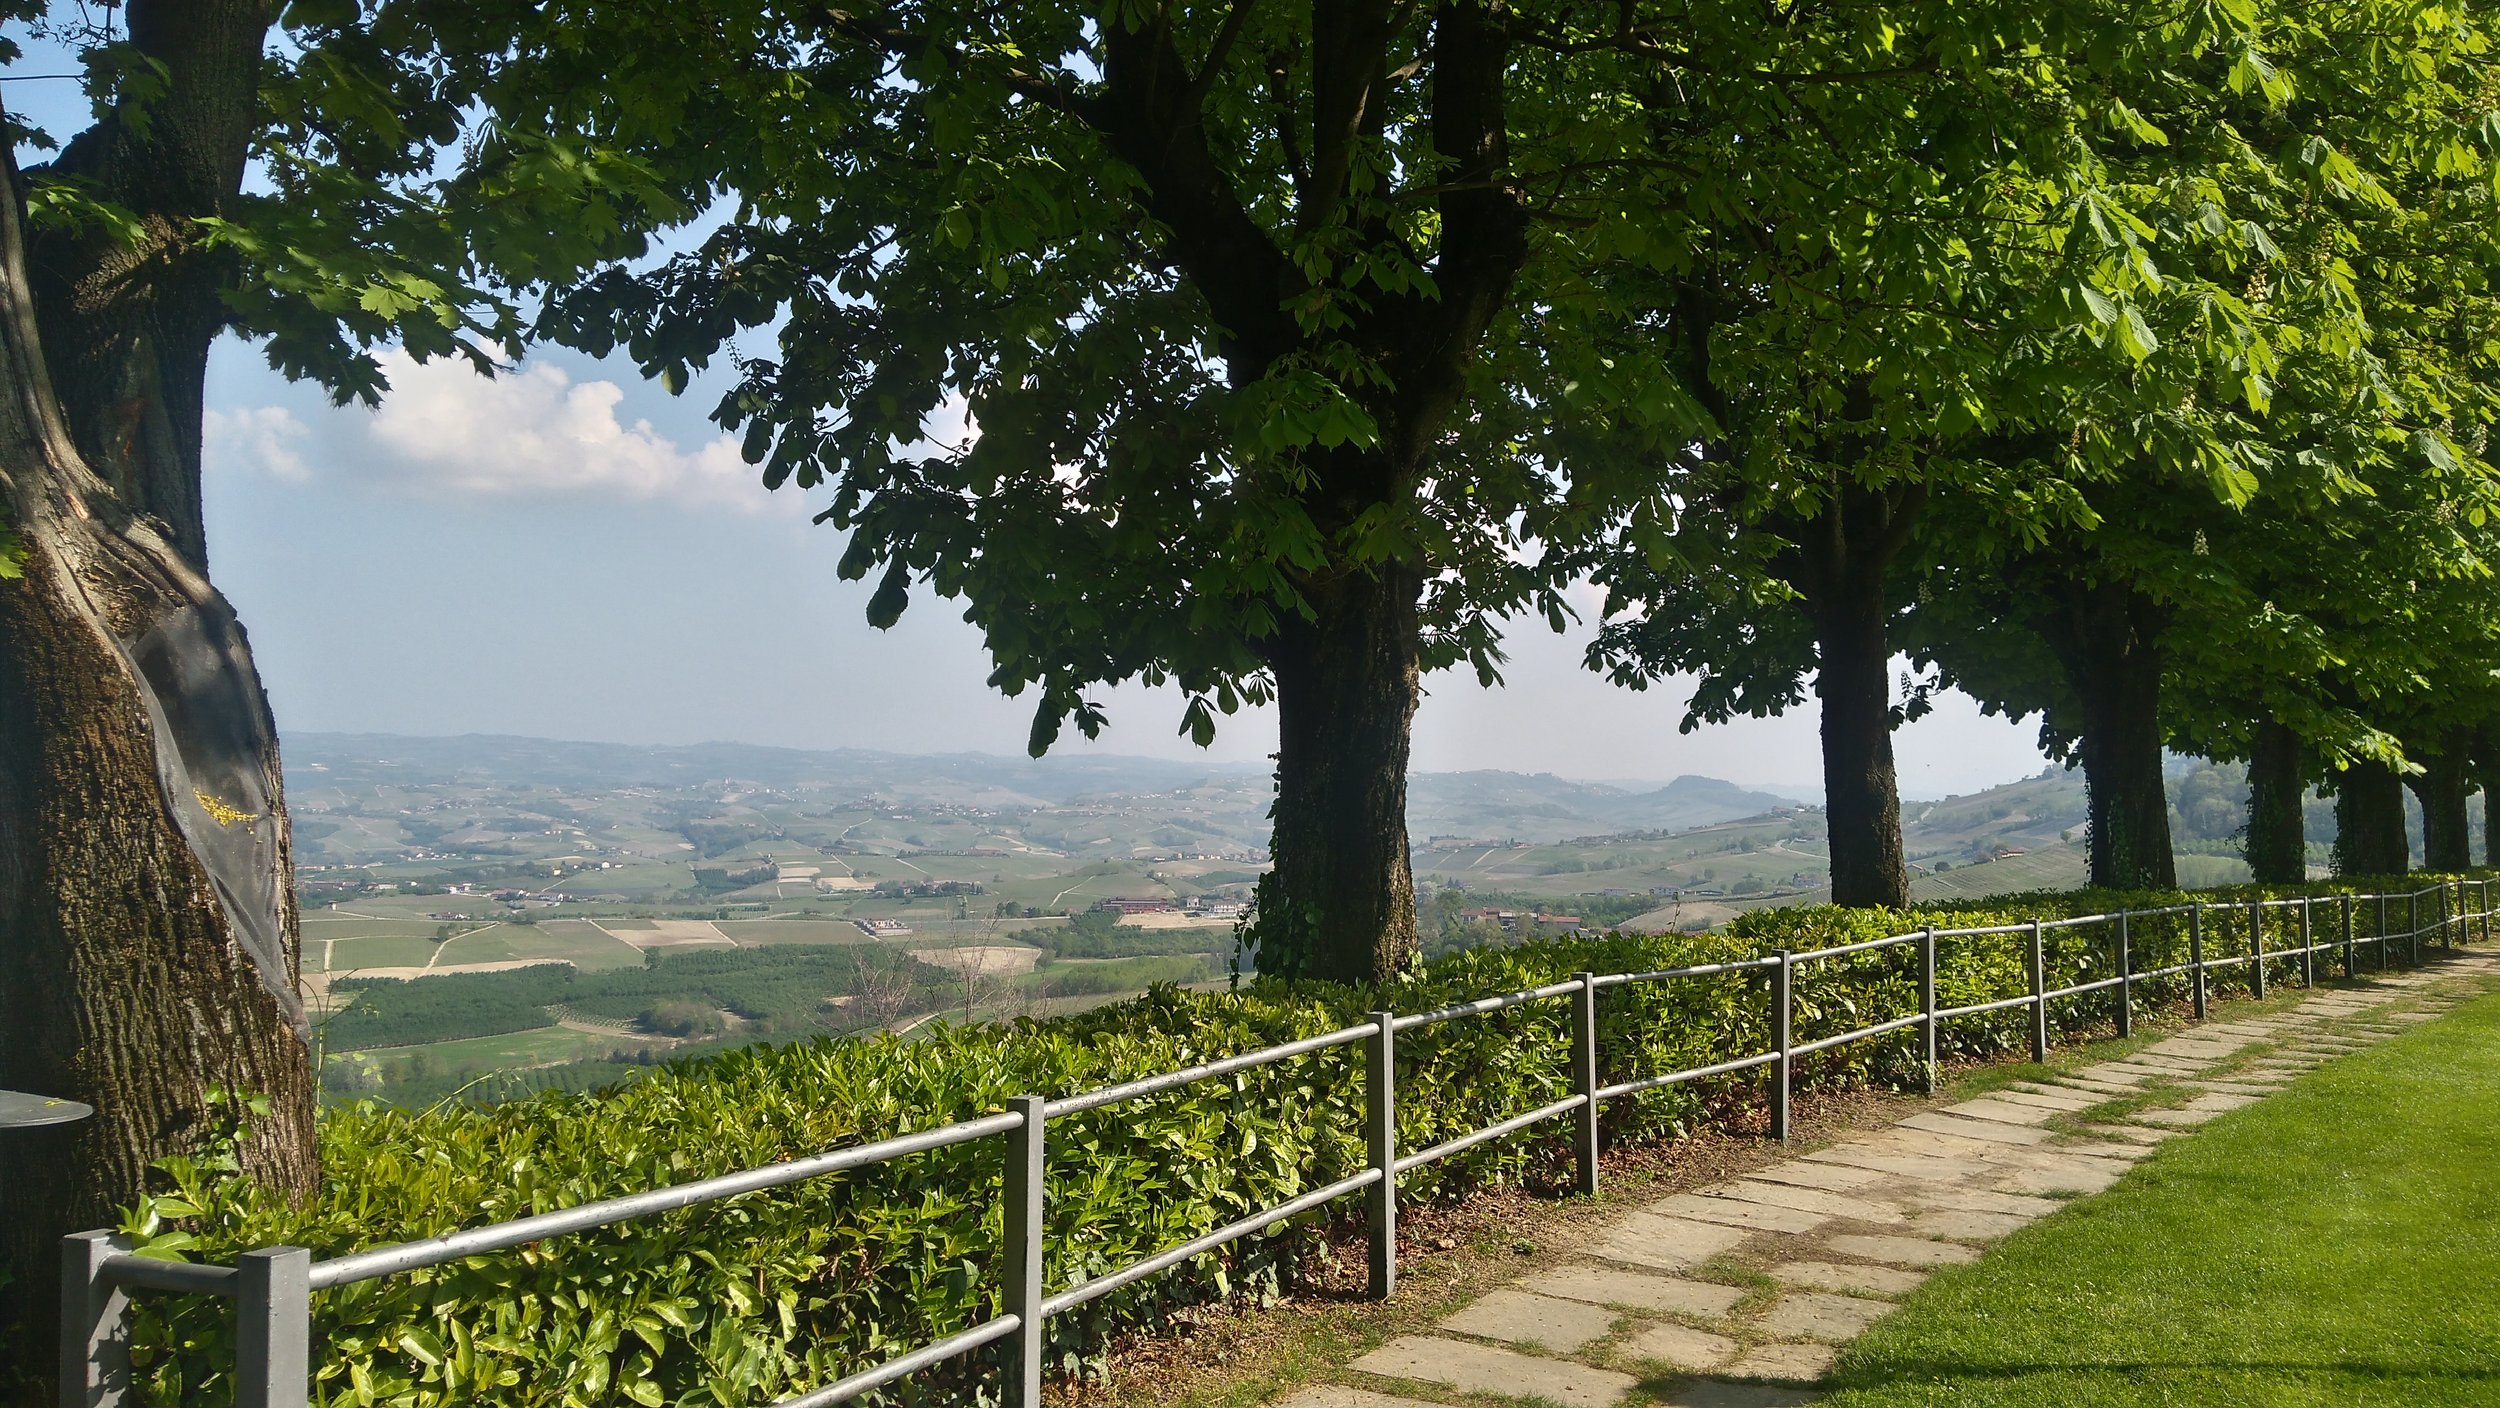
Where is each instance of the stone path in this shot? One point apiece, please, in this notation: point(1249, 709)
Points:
point(1740, 1294)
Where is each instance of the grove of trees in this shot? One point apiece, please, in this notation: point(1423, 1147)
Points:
point(2122, 365)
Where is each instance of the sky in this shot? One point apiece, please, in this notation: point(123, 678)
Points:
point(567, 551)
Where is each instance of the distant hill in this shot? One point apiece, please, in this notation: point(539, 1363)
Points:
point(1539, 806)
point(962, 779)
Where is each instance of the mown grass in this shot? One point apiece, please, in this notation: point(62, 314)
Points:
point(2338, 1243)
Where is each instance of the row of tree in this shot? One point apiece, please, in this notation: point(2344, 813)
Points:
point(2121, 364)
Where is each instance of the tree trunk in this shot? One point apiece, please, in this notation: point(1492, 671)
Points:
point(2370, 822)
point(1853, 682)
point(147, 924)
point(2278, 844)
point(1340, 902)
point(2108, 638)
point(2441, 787)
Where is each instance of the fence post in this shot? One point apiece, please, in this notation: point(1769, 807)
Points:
point(1584, 1076)
point(1380, 1117)
point(95, 1324)
point(2196, 957)
point(2482, 900)
point(2039, 996)
point(2349, 970)
point(2382, 932)
point(2126, 979)
point(2308, 946)
point(1783, 1006)
point(273, 1328)
point(1927, 1005)
point(2413, 928)
point(1022, 1287)
point(2449, 916)
point(2257, 949)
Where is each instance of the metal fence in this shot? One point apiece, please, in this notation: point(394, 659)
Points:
point(272, 1288)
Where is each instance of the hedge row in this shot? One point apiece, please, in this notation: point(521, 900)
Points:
point(765, 1296)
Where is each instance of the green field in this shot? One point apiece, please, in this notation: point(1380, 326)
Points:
point(2338, 1243)
point(558, 940)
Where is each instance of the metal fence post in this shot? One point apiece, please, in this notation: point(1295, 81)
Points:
point(2413, 928)
point(2349, 970)
point(2196, 957)
point(2257, 949)
point(273, 1328)
point(1783, 1006)
point(1584, 1076)
point(1927, 1007)
point(1022, 1285)
point(1380, 1117)
point(95, 1324)
point(2039, 995)
point(2308, 946)
point(2126, 979)
point(2382, 932)
point(2482, 901)
point(2449, 915)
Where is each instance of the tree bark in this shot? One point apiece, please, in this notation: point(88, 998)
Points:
point(2278, 844)
point(2370, 822)
point(1843, 557)
point(2441, 787)
point(1340, 902)
point(2108, 638)
point(148, 943)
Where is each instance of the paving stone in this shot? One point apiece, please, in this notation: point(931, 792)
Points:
point(1987, 1130)
point(1791, 1363)
point(1710, 1393)
point(1533, 1321)
point(2146, 1060)
point(1903, 1251)
point(2204, 1045)
point(1477, 1368)
point(2109, 1074)
point(2177, 1119)
point(1667, 1243)
point(2125, 1153)
point(1961, 1225)
point(1759, 1216)
point(1839, 1276)
point(2047, 1097)
point(2104, 1088)
point(1604, 1285)
point(1985, 1200)
point(1812, 1315)
point(1925, 1168)
point(2133, 1134)
point(2086, 1176)
point(1338, 1396)
point(1682, 1346)
point(2241, 1085)
point(2412, 1016)
point(2001, 1111)
point(1857, 1208)
point(1806, 1173)
point(2221, 1100)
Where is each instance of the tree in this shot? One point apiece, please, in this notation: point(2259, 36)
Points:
point(1225, 290)
point(146, 904)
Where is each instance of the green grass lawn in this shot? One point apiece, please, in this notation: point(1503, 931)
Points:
point(2338, 1243)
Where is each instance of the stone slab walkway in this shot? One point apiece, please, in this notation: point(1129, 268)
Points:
point(1740, 1295)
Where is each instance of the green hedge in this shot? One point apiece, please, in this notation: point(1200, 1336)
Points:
point(771, 1294)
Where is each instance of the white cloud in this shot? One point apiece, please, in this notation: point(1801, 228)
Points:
point(536, 432)
point(260, 437)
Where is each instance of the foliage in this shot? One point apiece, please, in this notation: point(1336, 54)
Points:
point(768, 1295)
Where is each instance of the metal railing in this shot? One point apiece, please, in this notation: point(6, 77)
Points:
point(273, 1287)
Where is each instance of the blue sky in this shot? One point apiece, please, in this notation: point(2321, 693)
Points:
point(570, 552)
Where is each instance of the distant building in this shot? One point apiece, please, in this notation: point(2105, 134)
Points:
point(1130, 906)
point(1568, 923)
point(1507, 918)
point(882, 928)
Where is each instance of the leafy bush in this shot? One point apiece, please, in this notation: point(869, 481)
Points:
point(771, 1294)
